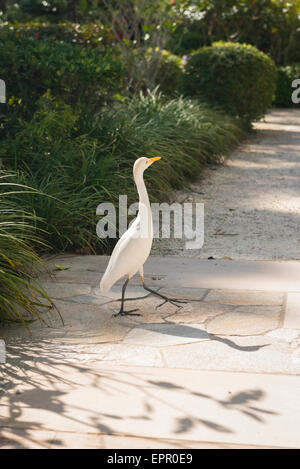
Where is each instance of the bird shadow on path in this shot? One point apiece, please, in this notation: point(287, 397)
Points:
point(180, 330)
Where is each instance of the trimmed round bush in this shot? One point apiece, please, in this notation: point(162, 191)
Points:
point(235, 77)
point(169, 73)
point(285, 76)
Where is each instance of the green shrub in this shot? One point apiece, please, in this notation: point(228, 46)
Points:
point(80, 159)
point(86, 35)
point(52, 156)
point(21, 297)
point(187, 135)
point(285, 77)
point(273, 26)
point(169, 73)
point(235, 77)
point(84, 77)
point(42, 7)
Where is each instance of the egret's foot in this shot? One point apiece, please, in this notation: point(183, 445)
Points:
point(173, 301)
point(166, 299)
point(126, 313)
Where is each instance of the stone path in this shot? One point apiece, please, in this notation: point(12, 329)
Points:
point(221, 372)
point(252, 203)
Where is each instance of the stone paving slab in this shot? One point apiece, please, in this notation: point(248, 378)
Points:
point(164, 344)
point(174, 272)
point(55, 381)
point(186, 405)
point(215, 329)
point(86, 323)
point(198, 312)
point(245, 320)
point(15, 438)
point(258, 354)
point(163, 335)
point(292, 315)
point(66, 290)
point(236, 297)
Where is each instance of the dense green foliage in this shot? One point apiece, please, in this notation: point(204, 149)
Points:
point(80, 160)
point(273, 26)
point(169, 73)
point(285, 77)
point(21, 297)
point(236, 77)
point(39, 7)
point(30, 67)
point(86, 35)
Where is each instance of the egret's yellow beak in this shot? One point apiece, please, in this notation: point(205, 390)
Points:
point(155, 158)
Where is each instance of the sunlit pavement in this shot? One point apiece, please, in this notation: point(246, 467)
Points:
point(222, 371)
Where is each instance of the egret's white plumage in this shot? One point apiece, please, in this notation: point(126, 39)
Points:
point(133, 248)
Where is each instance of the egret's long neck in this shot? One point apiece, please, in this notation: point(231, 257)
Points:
point(141, 188)
point(145, 214)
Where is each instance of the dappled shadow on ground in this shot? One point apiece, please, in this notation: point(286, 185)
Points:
point(37, 385)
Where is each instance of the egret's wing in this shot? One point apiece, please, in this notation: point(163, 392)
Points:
point(124, 242)
point(123, 257)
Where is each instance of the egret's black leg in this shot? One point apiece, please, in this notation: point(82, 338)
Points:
point(166, 299)
point(122, 312)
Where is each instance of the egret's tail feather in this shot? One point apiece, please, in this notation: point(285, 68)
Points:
point(108, 280)
point(105, 285)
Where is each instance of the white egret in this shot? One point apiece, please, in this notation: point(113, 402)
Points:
point(134, 246)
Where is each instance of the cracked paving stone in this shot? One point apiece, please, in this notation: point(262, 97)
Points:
point(165, 334)
point(198, 312)
point(147, 308)
point(236, 297)
point(189, 293)
point(82, 322)
point(257, 354)
point(287, 335)
point(65, 290)
point(245, 320)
